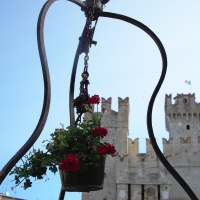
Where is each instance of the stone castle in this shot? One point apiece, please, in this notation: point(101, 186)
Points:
point(141, 176)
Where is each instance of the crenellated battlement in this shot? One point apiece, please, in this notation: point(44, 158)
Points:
point(123, 102)
point(185, 141)
point(180, 153)
point(165, 141)
point(183, 103)
point(180, 99)
point(106, 103)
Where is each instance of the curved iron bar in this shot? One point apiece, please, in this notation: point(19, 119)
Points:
point(162, 158)
point(47, 95)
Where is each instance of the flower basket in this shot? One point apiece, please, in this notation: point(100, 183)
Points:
point(90, 180)
point(78, 152)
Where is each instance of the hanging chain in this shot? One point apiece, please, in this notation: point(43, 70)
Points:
point(82, 99)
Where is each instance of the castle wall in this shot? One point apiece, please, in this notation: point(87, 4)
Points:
point(118, 128)
point(132, 175)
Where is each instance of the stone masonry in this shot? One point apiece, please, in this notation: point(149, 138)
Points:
point(135, 176)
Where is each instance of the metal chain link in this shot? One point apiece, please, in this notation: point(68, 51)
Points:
point(83, 95)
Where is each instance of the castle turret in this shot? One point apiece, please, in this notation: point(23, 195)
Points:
point(182, 121)
point(184, 111)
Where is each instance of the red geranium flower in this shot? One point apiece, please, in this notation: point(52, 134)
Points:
point(99, 131)
point(111, 149)
point(102, 150)
point(106, 149)
point(70, 163)
point(94, 99)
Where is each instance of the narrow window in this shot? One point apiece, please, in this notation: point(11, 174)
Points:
point(129, 191)
point(158, 192)
point(142, 192)
point(188, 127)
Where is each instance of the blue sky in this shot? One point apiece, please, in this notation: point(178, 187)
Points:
point(125, 62)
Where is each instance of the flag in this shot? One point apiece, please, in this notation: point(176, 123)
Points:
point(188, 82)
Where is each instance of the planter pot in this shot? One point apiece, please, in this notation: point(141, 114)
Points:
point(90, 180)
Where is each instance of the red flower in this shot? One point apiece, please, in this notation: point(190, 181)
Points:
point(102, 150)
point(70, 163)
point(111, 149)
point(106, 149)
point(94, 99)
point(99, 131)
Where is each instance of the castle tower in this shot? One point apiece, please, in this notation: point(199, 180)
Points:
point(183, 121)
point(183, 147)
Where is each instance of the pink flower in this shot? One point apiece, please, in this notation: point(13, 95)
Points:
point(94, 99)
point(70, 163)
point(99, 131)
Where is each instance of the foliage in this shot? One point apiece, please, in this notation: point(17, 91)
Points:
point(72, 149)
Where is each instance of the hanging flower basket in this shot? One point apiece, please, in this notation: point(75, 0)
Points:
point(90, 180)
point(78, 152)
